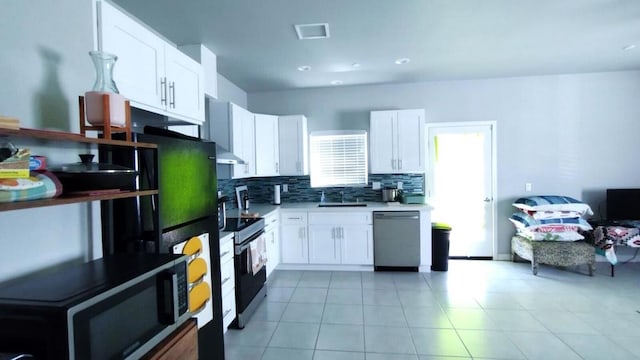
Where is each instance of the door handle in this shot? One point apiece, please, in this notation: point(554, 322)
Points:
point(163, 91)
point(172, 91)
point(486, 199)
point(333, 233)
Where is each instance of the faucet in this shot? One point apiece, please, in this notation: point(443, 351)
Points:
point(342, 196)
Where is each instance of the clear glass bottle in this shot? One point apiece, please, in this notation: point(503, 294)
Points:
point(104, 64)
point(104, 86)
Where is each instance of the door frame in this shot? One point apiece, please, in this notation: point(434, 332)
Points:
point(494, 169)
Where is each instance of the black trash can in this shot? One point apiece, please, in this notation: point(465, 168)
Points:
point(440, 246)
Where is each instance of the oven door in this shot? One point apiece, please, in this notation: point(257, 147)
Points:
point(250, 270)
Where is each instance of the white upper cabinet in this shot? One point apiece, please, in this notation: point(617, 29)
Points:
point(185, 95)
point(139, 70)
point(150, 72)
point(267, 149)
point(244, 124)
point(294, 146)
point(397, 141)
point(209, 62)
point(232, 127)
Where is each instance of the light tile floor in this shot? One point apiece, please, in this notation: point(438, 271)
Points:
point(476, 310)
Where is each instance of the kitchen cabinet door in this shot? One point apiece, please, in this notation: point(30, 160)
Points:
point(139, 71)
point(272, 235)
point(382, 142)
point(397, 141)
point(294, 245)
point(266, 142)
point(411, 140)
point(242, 140)
point(185, 91)
point(356, 244)
point(324, 244)
point(153, 74)
point(294, 145)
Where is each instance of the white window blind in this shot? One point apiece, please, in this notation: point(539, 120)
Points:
point(338, 158)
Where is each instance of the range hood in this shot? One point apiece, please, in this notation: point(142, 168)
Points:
point(224, 156)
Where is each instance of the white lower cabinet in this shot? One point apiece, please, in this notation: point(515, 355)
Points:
point(341, 238)
point(272, 235)
point(227, 281)
point(357, 244)
point(293, 236)
point(324, 244)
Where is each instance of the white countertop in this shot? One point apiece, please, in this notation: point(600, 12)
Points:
point(264, 209)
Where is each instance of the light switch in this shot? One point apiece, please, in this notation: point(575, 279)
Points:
point(375, 185)
point(399, 185)
point(528, 187)
point(285, 187)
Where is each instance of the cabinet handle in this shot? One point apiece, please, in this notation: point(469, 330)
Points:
point(400, 164)
point(294, 218)
point(224, 253)
point(394, 165)
point(226, 312)
point(163, 91)
point(225, 280)
point(172, 91)
point(335, 249)
point(277, 167)
point(341, 233)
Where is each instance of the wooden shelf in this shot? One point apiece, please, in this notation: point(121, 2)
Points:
point(65, 136)
point(70, 199)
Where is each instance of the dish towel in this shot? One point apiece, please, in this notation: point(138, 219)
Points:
point(258, 249)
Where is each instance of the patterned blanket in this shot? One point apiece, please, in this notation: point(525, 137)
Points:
point(606, 238)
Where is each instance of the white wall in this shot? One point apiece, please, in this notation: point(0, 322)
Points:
point(228, 91)
point(572, 135)
point(44, 66)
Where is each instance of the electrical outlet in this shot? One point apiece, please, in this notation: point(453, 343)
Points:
point(285, 187)
point(528, 187)
point(375, 185)
point(399, 185)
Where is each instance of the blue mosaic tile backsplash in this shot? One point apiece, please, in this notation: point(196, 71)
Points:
point(300, 190)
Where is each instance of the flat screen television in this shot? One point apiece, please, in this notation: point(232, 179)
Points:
point(623, 204)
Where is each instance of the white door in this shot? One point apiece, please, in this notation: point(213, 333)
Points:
point(185, 92)
point(357, 244)
point(266, 142)
point(461, 182)
point(139, 70)
point(324, 243)
point(294, 244)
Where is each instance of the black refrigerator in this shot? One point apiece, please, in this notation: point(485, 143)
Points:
point(184, 212)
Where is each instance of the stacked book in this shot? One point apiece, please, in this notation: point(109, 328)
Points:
point(9, 123)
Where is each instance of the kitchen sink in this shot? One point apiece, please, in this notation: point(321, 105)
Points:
point(342, 204)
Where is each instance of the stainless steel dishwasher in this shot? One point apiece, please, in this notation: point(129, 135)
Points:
point(396, 240)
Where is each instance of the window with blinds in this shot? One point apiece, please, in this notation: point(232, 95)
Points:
point(338, 158)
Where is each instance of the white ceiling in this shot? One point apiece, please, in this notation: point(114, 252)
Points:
point(258, 49)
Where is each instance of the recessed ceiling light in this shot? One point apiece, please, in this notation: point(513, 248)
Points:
point(304, 68)
point(355, 65)
point(402, 61)
point(337, 82)
point(629, 47)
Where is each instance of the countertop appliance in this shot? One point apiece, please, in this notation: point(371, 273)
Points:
point(249, 260)
point(119, 306)
point(389, 194)
point(396, 240)
point(186, 207)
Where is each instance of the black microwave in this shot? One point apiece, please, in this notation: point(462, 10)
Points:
point(117, 307)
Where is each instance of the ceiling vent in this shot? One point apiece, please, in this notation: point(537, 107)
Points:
point(312, 31)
